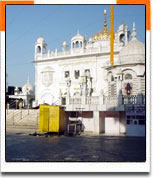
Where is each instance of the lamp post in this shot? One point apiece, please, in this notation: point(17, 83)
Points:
point(16, 103)
point(84, 84)
point(28, 108)
point(68, 82)
point(20, 106)
point(119, 80)
point(119, 86)
point(89, 85)
point(8, 105)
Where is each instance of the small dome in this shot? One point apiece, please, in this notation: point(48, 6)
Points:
point(27, 88)
point(16, 88)
point(133, 52)
point(78, 37)
point(40, 40)
point(64, 44)
point(102, 35)
point(121, 27)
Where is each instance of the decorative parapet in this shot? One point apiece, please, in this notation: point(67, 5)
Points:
point(113, 100)
point(74, 101)
point(105, 102)
point(78, 51)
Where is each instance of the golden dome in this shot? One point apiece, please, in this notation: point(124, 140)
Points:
point(103, 34)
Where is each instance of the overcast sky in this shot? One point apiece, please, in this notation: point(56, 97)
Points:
point(57, 23)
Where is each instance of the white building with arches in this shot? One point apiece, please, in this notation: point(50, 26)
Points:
point(25, 96)
point(82, 79)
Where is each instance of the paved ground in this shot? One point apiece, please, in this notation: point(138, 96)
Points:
point(23, 147)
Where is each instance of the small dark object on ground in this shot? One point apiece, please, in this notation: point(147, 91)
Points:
point(46, 134)
point(53, 134)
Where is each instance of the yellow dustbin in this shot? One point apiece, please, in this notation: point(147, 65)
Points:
point(51, 119)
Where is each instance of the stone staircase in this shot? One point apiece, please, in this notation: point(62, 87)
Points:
point(24, 117)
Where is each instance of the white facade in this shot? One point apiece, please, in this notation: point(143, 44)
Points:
point(83, 73)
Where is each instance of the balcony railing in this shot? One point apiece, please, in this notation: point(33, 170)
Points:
point(130, 100)
point(113, 100)
point(105, 100)
point(75, 51)
point(75, 101)
point(94, 100)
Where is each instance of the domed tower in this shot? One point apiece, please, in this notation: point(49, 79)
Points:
point(133, 52)
point(40, 46)
point(123, 35)
point(64, 46)
point(132, 60)
point(78, 41)
point(127, 76)
point(27, 88)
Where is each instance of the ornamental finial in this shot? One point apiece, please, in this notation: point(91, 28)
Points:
point(28, 79)
point(78, 32)
point(134, 33)
point(105, 20)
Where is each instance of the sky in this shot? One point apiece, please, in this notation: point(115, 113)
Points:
point(57, 23)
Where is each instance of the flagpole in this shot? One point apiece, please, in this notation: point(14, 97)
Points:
point(112, 35)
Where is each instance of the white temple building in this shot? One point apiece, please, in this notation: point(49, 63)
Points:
point(25, 97)
point(83, 80)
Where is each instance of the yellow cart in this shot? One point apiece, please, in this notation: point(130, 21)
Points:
point(51, 119)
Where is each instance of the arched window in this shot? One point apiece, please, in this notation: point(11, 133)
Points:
point(122, 39)
point(81, 44)
point(112, 78)
point(38, 49)
point(73, 45)
point(77, 44)
point(128, 77)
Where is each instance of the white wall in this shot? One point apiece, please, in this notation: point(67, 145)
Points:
point(122, 123)
point(43, 93)
point(88, 124)
point(112, 125)
point(94, 63)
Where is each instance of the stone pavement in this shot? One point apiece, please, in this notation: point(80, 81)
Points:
point(85, 148)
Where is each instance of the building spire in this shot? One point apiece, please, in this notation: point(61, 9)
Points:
point(78, 32)
point(123, 21)
point(105, 20)
point(134, 33)
point(28, 79)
